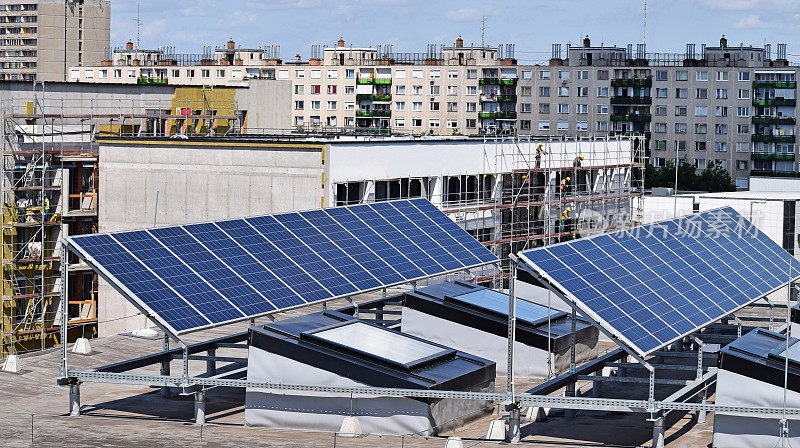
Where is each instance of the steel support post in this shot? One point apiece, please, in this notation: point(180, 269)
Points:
point(512, 435)
point(701, 414)
point(75, 399)
point(355, 305)
point(211, 364)
point(200, 407)
point(570, 389)
point(64, 309)
point(658, 432)
point(165, 392)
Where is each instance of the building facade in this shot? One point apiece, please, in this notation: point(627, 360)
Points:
point(41, 39)
point(734, 106)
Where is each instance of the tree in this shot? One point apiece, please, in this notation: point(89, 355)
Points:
point(715, 178)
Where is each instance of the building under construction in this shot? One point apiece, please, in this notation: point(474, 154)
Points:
point(50, 184)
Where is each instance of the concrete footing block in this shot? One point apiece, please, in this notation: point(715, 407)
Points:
point(536, 414)
point(82, 347)
point(497, 430)
point(12, 364)
point(351, 427)
point(454, 442)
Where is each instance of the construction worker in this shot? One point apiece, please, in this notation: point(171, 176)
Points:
point(539, 152)
point(564, 183)
point(564, 223)
point(578, 161)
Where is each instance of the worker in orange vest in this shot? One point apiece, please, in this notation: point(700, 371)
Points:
point(539, 152)
point(578, 161)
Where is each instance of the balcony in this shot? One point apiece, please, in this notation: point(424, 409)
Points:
point(770, 138)
point(774, 120)
point(498, 98)
point(632, 117)
point(497, 81)
point(646, 82)
point(775, 102)
point(145, 80)
point(771, 156)
point(774, 84)
point(383, 81)
point(769, 173)
point(365, 81)
point(373, 113)
point(631, 100)
point(498, 115)
point(376, 97)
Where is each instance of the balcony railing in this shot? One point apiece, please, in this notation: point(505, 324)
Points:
point(375, 97)
point(497, 81)
point(775, 102)
point(145, 80)
point(498, 98)
point(631, 100)
point(498, 115)
point(381, 81)
point(645, 82)
point(631, 117)
point(771, 156)
point(770, 173)
point(774, 84)
point(774, 120)
point(770, 138)
point(373, 113)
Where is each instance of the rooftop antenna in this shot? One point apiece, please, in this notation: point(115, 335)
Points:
point(483, 31)
point(644, 31)
point(138, 26)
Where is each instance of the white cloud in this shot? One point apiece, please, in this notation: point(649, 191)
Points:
point(731, 5)
point(199, 8)
point(470, 14)
point(751, 21)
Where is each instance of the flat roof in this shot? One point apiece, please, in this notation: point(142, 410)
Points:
point(755, 195)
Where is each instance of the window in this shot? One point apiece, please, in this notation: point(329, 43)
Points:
point(527, 74)
point(681, 93)
point(472, 107)
point(417, 74)
point(743, 129)
point(741, 164)
point(659, 162)
point(721, 129)
point(721, 163)
point(722, 76)
point(602, 109)
point(742, 147)
point(680, 111)
point(701, 111)
point(744, 76)
point(400, 122)
point(743, 111)
point(452, 123)
point(118, 73)
point(433, 123)
point(526, 90)
point(563, 125)
point(471, 123)
point(416, 122)
point(681, 75)
point(722, 94)
point(298, 121)
point(299, 73)
point(721, 146)
point(563, 74)
point(563, 108)
point(744, 94)
point(700, 164)
point(582, 109)
point(525, 108)
point(349, 105)
point(544, 91)
point(350, 73)
point(332, 74)
point(400, 105)
point(316, 89)
point(661, 75)
point(298, 105)
point(452, 90)
point(525, 125)
point(434, 106)
point(434, 90)
point(602, 126)
point(722, 111)
point(299, 89)
point(205, 73)
point(660, 128)
point(544, 125)
point(473, 90)
point(104, 73)
point(699, 146)
point(400, 90)
point(700, 128)
point(602, 92)
point(661, 93)
point(435, 74)
point(680, 128)
point(452, 74)
point(602, 75)
point(544, 74)
point(661, 110)
point(332, 105)
point(349, 90)
point(660, 145)
point(544, 108)
point(331, 89)
point(701, 94)
point(452, 106)
point(701, 76)
point(315, 105)
point(563, 91)
point(582, 74)
point(472, 74)
point(742, 182)
point(680, 145)
point(581, 126)
point(582, 91)
point(417, 90)
point(332, 121)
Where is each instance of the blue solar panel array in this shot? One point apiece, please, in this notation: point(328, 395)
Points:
point(201, 275)
point(656, 283)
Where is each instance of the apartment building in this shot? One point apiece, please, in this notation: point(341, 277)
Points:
point(41, 39)
point(732, 105)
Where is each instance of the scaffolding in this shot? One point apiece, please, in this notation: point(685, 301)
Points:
point(50, 184)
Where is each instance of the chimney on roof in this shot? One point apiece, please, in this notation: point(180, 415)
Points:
point(129, 45)
point(231, 44)
point(723, 42)
point(586, 42)
point(297, 58)
point(459, 42)
point(340, 44)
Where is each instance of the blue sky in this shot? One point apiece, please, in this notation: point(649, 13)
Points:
point(533, 25)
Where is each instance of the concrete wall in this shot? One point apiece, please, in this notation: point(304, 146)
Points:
point(84, 98)
point(196, 181)
point(266, 103)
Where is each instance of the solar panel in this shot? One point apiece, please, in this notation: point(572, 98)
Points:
point(201, 275)
point(653, 284)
